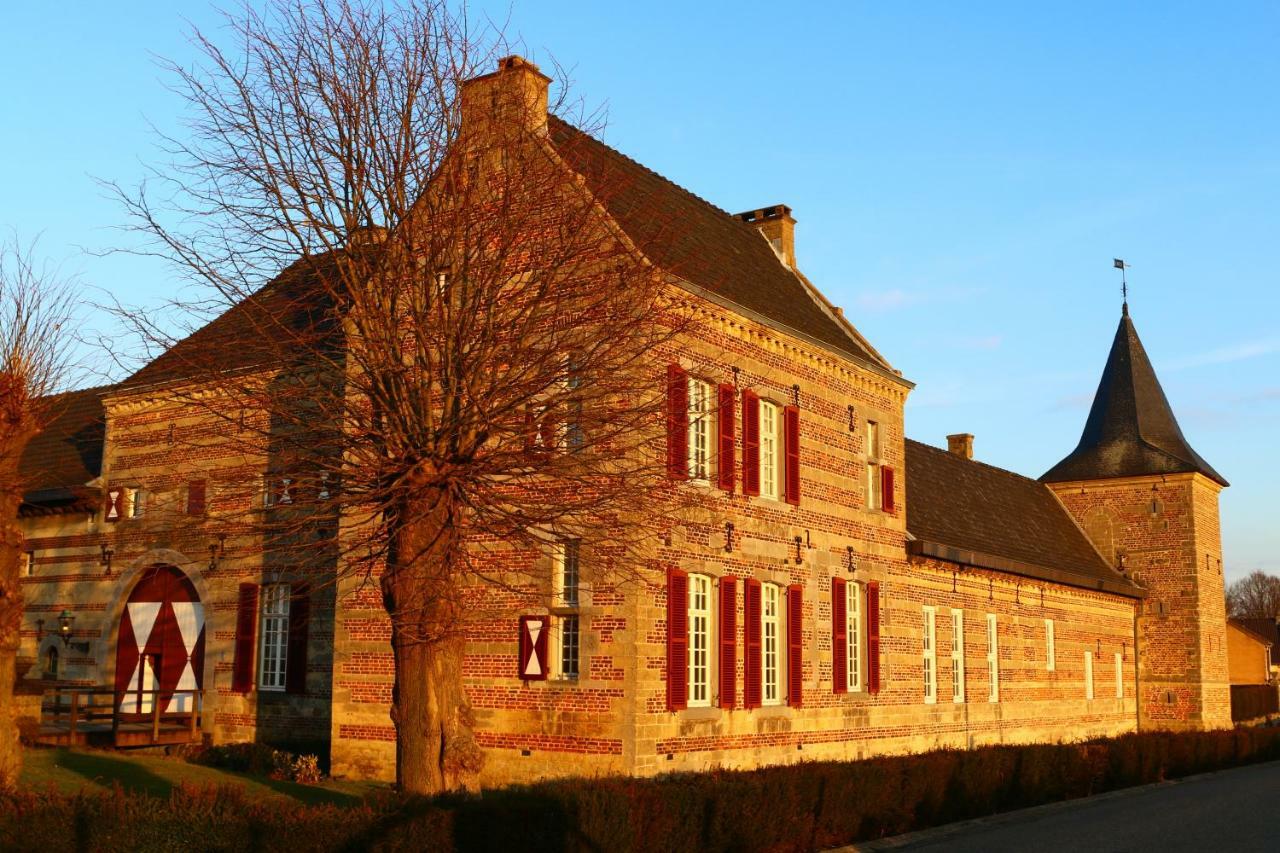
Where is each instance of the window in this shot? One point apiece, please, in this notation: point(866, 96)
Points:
point(770, 643)
point(51, 662)
point(930, 657)
point(574, 437)
point(993, 660)
point(134, 502)
point(769, 468)
point(875, 496)
point(957, 655)
point(699, 641)
point(1050, 652)
point(701, 404)
point(29, 563)
point(1088, 675)
point(1119, 676)
point(565, 599)
point(853, 636)
point(275, 636)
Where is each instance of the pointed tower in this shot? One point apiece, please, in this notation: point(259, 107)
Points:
point(1149, 502)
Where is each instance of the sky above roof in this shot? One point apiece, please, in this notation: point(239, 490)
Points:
point(961, 176)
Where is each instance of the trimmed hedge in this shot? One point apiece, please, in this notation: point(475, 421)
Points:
point(797, 807)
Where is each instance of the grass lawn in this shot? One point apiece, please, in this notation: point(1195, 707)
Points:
point(72, 770)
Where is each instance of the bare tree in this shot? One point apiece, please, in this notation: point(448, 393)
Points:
point(35, 309)
point(1256, 596)
point(457, 367)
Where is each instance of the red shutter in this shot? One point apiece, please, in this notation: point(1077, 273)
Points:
point(677, 423)
point(195, 497)
point(839, 636)
point(886, 487)
point(791, 442)
point(295, 664)
point(873, 637)
point(115, 504)
point(677, 640)
point(246, 629)
point(724, 465)
point(750, 443)
point(795, 645)
point(751, 644)
point(532, 662)
point(728, 642)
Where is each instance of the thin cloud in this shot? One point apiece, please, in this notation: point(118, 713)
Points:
point(1228, 354)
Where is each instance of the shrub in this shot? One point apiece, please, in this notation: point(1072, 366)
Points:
point(808, 805)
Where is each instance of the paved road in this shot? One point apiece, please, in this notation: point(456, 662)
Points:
point(1235, 810)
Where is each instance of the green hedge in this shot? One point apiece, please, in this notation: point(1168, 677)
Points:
point(798, 807)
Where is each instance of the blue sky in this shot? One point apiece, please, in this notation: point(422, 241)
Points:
point(962, 175)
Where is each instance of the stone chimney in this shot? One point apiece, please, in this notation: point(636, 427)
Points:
point(513, 96)
point(778, 227)
point(961, 444)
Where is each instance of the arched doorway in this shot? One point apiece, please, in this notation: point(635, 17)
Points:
point(160, 643)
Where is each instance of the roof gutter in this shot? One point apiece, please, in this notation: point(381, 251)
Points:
point(977, 559)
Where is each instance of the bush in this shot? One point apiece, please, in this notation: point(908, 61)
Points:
point(261, 760)
point(810, 805)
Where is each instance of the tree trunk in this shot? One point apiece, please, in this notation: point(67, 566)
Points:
point(10, 610)
point(436, 748)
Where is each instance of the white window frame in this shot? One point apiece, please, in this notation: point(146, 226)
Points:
point(566, 599)
point(853, 637)
point(957, 655)
point(875, 487)
point(993, 658)
point(1050, 647)
point(770, 470)
point(134, 502)
point(772, 659)
point(1119, 675)
point(701, 414)
point(29, 563)
point(929, 654)
point(699, 641)
point(1088, 675)
point(273, 634)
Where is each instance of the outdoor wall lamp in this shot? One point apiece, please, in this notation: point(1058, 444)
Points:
point(799, 544)
point(728, 537)
point(65, 620)
point(107, 553)
point(217, 550)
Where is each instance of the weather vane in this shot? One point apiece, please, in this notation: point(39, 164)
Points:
point(1124, 284)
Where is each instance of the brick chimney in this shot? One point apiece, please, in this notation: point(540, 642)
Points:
point(778, 227)
point(961, 444)
point(514, 96)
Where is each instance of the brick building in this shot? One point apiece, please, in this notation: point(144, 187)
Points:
point(852, 592)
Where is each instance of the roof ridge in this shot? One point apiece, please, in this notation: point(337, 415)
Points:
point(643, 167)
point(979, 462)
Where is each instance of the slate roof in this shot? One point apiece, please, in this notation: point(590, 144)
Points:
point(66, 455)
point(1264, 629)
point(702, 244)
point(1131, 430)
point(975, 514)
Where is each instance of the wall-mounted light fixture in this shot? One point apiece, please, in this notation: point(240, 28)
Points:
point(795, 395)
point(104, 558)
point(66, 619)
point(217, 550)
point(848, 550)
point(728, 536)
point(799, 544)
point(735, 375)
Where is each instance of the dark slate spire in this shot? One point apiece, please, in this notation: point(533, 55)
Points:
point(1131, 430)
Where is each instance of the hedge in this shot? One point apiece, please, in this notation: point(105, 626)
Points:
point(797, 807)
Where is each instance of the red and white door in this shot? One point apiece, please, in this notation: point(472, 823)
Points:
point(160, 643)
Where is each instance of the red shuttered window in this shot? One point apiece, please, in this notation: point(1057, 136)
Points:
point(677, 422)
point(725, 434)
point(795, 645)
point(750, 443)
point(791, 449)
point(295, 678)
point(677, 640)
point(751, 644)
point(839, 636)
point(886, 487)
point(728, 642)
point(873, 637)
point(246, 631)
